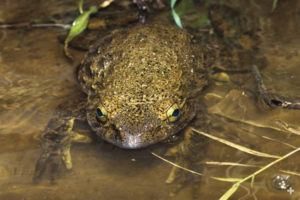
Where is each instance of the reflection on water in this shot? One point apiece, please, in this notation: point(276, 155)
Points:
point(35, 78)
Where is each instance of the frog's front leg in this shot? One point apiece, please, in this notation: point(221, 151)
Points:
point(271, 99)
point(55, 143)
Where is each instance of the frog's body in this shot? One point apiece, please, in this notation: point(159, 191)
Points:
point(136, 76)
point(139, 86)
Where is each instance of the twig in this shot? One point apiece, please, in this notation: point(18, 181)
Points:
point(33, 25)
point(270, 99)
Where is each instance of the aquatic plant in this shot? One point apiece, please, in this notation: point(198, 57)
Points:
point(81, 22)
point(174, 14)
point(237, 181)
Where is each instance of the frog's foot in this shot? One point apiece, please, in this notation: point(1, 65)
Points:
point(56, 144)
point(52, 161)
point(81, 138)
point(271, 99)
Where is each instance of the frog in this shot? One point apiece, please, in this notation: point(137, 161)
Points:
point(138, 87)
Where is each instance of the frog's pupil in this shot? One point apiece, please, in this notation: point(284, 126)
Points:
point(176, 112)
point(99, 112)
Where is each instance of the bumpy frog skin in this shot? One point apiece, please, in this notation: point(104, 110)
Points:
point(141, 81)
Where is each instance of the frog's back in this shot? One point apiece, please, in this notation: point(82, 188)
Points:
point(158, 52)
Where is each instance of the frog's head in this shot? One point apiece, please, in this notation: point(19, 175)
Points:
point(138, 122)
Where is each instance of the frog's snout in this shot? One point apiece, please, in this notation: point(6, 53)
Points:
point(130, 139)
point(137, 135)
point(132, 142)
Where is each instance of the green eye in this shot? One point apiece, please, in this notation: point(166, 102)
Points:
point(101, 114)
point(173, 113)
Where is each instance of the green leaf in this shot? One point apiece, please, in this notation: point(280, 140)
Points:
point(173, 2)
point(177, 19)
point(80, 24)
point(175, 15)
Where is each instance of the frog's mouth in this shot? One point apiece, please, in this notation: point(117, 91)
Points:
point(133, 141)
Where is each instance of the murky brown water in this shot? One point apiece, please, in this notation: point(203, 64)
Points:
point(35, 77)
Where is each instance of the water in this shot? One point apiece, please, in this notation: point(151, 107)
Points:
point(35, 77)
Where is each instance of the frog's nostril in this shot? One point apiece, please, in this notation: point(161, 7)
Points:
point(114, 127)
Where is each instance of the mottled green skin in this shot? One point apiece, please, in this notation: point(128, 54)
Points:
point(137, 75)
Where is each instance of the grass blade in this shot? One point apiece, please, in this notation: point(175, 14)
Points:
point(237, 146)
point(251, 176)
point(176, 165)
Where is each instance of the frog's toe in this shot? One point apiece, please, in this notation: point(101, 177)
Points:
point(55, 163)
point(66, 158)
point(81, 138)
point(50, 165)
point(40, 168)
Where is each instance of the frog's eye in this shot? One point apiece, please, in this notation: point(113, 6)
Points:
point(101, 114)
point(173, 113)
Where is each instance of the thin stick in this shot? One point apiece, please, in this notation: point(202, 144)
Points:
point(31, 25)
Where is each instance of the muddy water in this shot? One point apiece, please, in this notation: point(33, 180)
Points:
point(35, 77)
